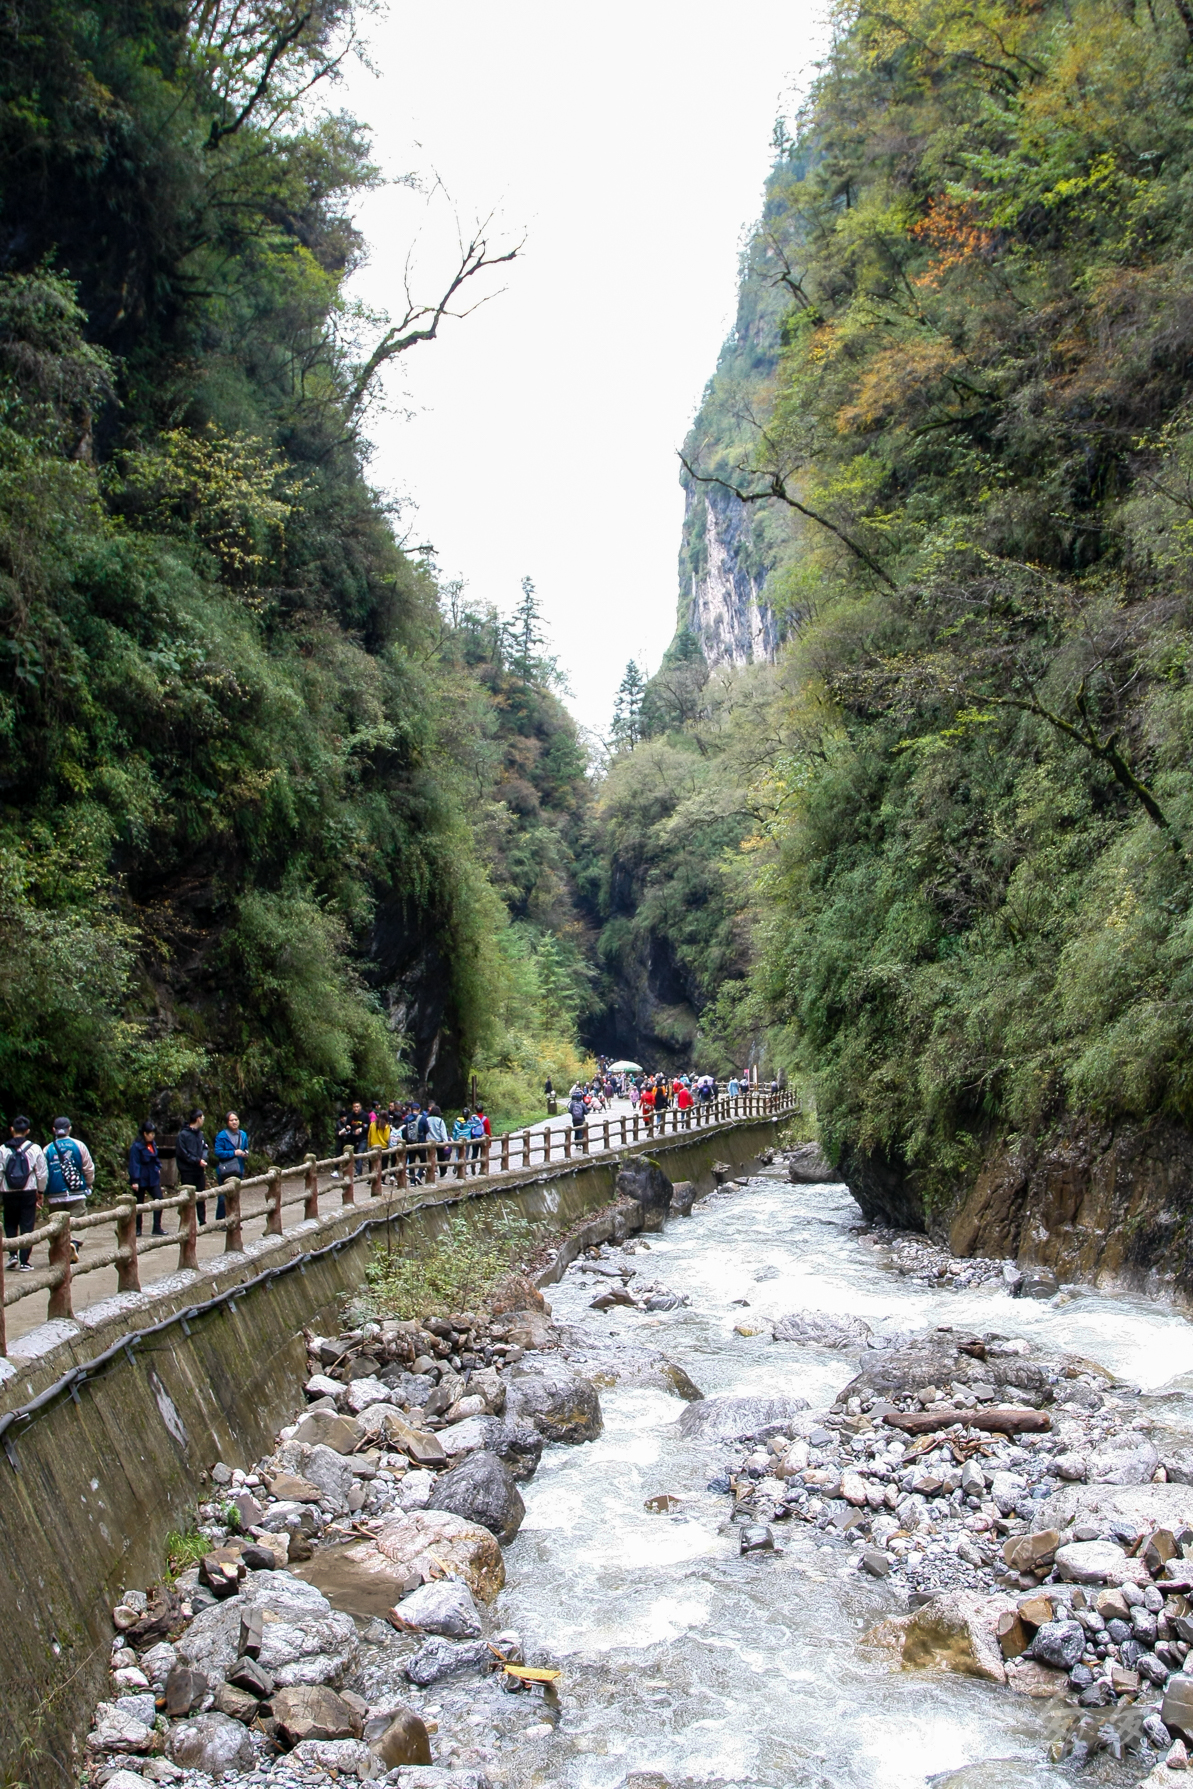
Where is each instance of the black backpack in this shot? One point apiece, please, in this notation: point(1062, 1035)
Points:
point(17, 1168)
point(410, 1130)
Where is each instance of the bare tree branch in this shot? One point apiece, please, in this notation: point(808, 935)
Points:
point(412, 329)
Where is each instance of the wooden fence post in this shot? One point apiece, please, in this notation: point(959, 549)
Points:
point(375, 1177)
point(59, 1304)
point(403, 1176)
point(3, 1324)
point(128, 1275)
point(310, 1202)
point(234, 1234)
point(273, 1200)
point(188, 1232)
point(505, 1152)
point(349, 1192)
point(567, 1142)
point(486, 1146)
point(527, 1146)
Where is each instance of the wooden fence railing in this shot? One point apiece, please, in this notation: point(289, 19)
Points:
point(405, 1165)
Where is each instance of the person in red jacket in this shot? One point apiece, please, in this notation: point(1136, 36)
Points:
point(683, 1101)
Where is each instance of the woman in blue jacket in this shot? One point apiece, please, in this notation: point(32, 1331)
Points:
point(145, 1172)
point(231, 1154)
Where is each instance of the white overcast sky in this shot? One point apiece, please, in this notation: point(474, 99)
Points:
point(628, 145)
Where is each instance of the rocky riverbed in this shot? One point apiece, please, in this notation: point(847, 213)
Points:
point(777, 1498)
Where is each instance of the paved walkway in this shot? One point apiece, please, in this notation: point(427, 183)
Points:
point(91, 1290)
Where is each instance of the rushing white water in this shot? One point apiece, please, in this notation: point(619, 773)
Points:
point(684, 1658)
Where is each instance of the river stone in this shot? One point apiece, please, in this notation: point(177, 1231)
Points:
point(322, 1428)
point(414, 1491)
point(1059, 1644)
point(818, 1329)
point(303, 1639)
point(429, 1543)
point(433, 1777)
point(1128, 1464)
point(399, 1738)
point(363, 1392)
point(386, 1424)
point(1176, 1711)
point(334, 1757)
point(807, 1165)
point(158, 1663)
point(445, 1607)
point(312, 1711)
point(482, 1489)
point(212, 1743)
point(441, 1658)
point(288, 1516)
point(953, 1632)
point(332, 1473)
point(124, 1779)
point(487, 1383)
point(735, 1419)
point(1091, 1562)
point(117, 1731)
point(561, 1405)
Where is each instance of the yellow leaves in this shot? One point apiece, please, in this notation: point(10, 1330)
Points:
point(223, 489)
point(951, 227)
point(896, 377)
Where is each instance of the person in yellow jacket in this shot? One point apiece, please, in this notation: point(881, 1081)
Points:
point(379, 1130)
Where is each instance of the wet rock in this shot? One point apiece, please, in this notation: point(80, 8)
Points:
point(678, 1382)
point(1013, 1636)
point(482, 1489)
point(441, 1658)
point(1030, 1678)
point(875, 1562)
point(444, 1607)
point(560, 1404)
point(320, 1428)
point(953, 1632)
point(1090, 1562)
point(1037, 1282)
point(312, 1711)
point(1059, 1644)
point(756, 1538)
point(304, 1640)
point(807, 1165)
point(683, 1197)
point(819, 1329)
point(399, 1738)
point(736, 1419)
point(212, 1743)
point(642, 1179)
point(385, 1424)
point(425, 1543)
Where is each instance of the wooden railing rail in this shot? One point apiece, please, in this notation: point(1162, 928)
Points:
point(403, 1166)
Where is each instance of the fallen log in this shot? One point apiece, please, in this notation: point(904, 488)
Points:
point(1010, 1419)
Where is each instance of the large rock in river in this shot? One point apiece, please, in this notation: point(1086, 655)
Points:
point(482, 1489)
point(641, 1178)
point(561, 1405)
point(956, 1631)
point(517, 1444)
point(303, 1639)
point(426, 1544)
point(733, 1419)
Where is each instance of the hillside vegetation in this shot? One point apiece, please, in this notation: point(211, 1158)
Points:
point(967, 869)
point(279, 821)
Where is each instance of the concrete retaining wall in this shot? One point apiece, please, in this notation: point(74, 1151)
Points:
point(104, 1467)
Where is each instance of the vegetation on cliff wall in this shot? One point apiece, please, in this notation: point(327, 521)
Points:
point(972, 902)
point(277, 823)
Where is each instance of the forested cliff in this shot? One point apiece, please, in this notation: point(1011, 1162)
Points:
point(279, 820)
point(966, 801)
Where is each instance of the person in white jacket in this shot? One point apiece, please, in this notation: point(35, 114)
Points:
point(23, 1176)
point(437, 1134)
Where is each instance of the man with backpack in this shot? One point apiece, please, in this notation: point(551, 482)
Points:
point(414, 1133)
point(23, 1176)
point(70, 1174)
point(579, 1114)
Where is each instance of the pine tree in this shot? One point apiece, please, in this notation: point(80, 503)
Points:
point(627, 709)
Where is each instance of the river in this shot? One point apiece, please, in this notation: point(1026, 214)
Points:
point(683, 1658)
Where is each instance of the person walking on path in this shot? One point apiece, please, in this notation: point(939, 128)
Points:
point(437, 1134)
point(23, 1175)
point(734, 1087)
point(343, 1137)
point(231, 1154)
point(579, 1114)
point(190, 1152)
point(145, 1172)
point(70, 1174)
point(684, 1102)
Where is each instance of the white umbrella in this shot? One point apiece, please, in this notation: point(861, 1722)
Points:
point(625, 1068)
